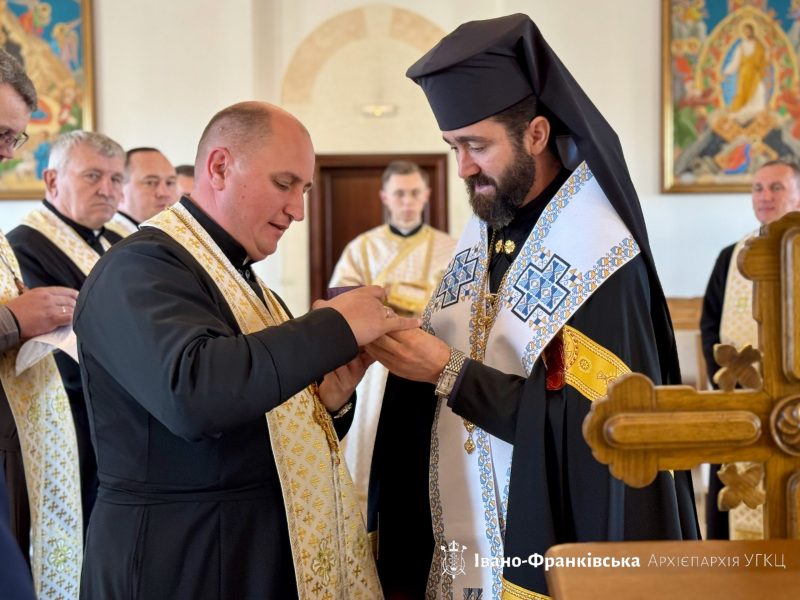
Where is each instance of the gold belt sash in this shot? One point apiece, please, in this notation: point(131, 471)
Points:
point(329, 543)
point(50, 454)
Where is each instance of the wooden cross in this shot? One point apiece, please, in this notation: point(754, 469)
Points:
point(640, 429)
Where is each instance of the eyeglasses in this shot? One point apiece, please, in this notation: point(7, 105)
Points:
point(12, 141)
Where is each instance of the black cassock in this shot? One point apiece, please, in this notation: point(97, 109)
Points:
point(13, 472)
point(42, 263)
point(558, 492)
point(190, 504)
point(15, 575)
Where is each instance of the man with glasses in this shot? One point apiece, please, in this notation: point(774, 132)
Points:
point(31, 426)
point(10, 141)
point(59, 243)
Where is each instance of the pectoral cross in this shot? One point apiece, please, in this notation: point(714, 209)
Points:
point(640, 429)
point(489, 312)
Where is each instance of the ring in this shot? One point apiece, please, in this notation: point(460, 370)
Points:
point(63, 309)
point(389, 312)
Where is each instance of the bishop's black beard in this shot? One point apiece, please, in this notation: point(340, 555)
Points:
point(498, 210)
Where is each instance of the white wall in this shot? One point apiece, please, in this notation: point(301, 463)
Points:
point(613, 49)
point(164, 67)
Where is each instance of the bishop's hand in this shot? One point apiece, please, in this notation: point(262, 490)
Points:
point(414, 354)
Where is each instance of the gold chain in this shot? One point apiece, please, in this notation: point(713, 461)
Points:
point(488, 307)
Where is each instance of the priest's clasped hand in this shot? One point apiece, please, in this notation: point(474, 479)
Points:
point(414, 354)
point(338, 385)
point(366, 315)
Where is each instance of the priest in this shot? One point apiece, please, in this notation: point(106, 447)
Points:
point(552, 294)
point(727, 318)
point(149, 187)
point(406, 256)
point(219, 462)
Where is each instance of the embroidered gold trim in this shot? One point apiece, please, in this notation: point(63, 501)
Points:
point(118, 228)
point(65, 238)
point(512, 591)
point(737, 326)
point(589, 367)
point(49, 447)
point(329, 543)
point(408, 246)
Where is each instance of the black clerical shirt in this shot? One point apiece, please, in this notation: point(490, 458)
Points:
point(414, 231)
point(232, 249)
point(177, 395)
point(519, 229)
point(90, 236)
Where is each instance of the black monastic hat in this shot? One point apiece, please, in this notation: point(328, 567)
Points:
point(484, 67)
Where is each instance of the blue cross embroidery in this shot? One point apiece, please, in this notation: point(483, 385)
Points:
point(536, 288)
point(460, 274)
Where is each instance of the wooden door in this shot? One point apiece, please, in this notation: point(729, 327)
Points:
point(345, 202)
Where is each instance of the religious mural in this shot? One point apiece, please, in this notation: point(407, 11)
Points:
point(731, 93)
point(52, 40)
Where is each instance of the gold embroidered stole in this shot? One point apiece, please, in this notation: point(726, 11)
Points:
point(329, 543)
point(407, 297)
point(117, 228)
point(738, 328)
point(407, 246)
point(65, 238)
point(50, 454)
point(121, 226)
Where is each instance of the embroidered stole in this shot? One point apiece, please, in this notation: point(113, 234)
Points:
point(329, 543)
point(578, 242)
point(50, 455)
point(738, 328)
point(737, 325)
point(65, 238)
point(411, 266)
point(408, 245)
point(121, 225)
